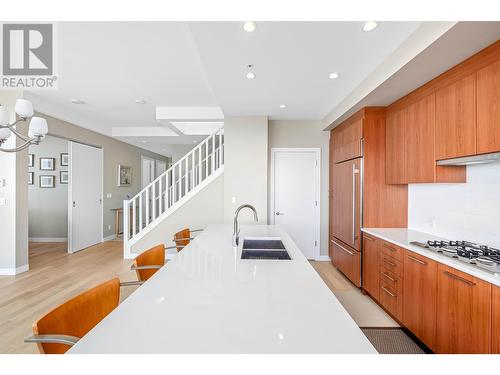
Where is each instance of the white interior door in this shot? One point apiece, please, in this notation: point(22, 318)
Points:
point(85, 196)
point(147, 171)
point(295, 196)
point(161, 166)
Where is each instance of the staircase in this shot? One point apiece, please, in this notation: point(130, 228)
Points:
point(172, 189)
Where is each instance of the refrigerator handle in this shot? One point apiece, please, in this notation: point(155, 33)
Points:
point(354, 172)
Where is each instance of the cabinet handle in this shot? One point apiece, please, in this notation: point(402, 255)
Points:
point(390, 263)
point(417, 260)
point(390, 248)
point(368, 238)
point(388, 277)
point(354, 171)
point(453, 276)
point(343, 248)
point(389, 293)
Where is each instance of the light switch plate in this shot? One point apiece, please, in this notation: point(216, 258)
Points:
point(2, 182)
point(109, 195)
point(233, 200)
point(2, 201)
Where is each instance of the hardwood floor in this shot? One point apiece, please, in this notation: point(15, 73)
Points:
point(54, 277)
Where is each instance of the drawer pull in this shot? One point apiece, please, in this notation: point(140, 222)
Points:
point(343, 248)
point(388, 277)
point(392, 264)
point(388, 292)
point(417, 260)
point(390, 248)
point(368, 238)
point(453, 276)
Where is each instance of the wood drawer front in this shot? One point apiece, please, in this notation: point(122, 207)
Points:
point(391, 264)
point(391, 279)
point(392, 251)
point(391, 300)
point(348, 261)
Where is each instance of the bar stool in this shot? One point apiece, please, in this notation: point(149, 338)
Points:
point(148, 263)
point(183, 237)
point(61, 328)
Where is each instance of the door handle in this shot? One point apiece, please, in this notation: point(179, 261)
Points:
point(74, 204)
point(277, 213)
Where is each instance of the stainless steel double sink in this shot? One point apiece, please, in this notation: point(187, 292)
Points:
point(264, 248)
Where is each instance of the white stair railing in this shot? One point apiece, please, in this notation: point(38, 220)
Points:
point(160, 197)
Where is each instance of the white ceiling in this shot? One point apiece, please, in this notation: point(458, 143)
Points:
point(109, 65)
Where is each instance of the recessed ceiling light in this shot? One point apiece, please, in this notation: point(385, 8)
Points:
point(140, 101)
point(249, 26)
point(250, 75)
point(77, 101)
point(369, 26)
point(194, 142)
point(333, 75)
point(282, 106)
point(144, 141)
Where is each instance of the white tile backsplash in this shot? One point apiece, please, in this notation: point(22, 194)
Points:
point(469, 211)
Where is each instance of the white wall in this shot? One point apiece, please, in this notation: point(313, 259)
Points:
point(245, 166)
point(203, 209)
point(48, 203)
point(468, 211)
point(305, 134)
point(14, 214)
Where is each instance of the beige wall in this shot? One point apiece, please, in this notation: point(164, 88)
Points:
point(203, 209)
point(115, 152)
point(305, 133)
point(49, 202)
point(245, 166)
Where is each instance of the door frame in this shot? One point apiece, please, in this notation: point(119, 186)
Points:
point(70, 193)
point(317, 152)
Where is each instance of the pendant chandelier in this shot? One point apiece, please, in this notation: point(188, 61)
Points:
point(36, 132)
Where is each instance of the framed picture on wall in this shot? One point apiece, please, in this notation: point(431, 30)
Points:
point(47, 181)
point(31, 178)
point(64, 160)
point(63, 177)
point(124, 175)
point(31, 160)
point(47, 164)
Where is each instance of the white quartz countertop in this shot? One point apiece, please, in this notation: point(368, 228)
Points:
point(208, 300)
point(403, 236)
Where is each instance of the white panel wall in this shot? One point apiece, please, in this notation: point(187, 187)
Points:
point(468, 211)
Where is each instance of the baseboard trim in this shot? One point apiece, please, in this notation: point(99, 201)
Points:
point(323, 258)
point(48, 239)
point(14, 271)
point(110, 238)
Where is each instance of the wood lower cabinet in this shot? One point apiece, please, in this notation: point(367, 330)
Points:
point(463, 313)
point(488, 109)
point(420, 297)
point(495, 321)
point(456, 119)
point(348, 261)
point(371, 248)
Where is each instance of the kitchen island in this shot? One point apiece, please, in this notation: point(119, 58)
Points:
point(208, 300)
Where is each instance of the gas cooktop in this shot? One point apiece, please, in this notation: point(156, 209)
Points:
point(484, 257)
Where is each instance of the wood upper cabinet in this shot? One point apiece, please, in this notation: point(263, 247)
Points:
point(347, 140)
point(420, 141)
point(395, 147)
point(420, 297)
point(488, 108)
point(456, 119)
point(371, 248)
point(463, 313)
point(495, 334)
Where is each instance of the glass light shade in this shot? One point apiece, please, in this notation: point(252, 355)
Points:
point(4, 116)
point(24, 108)
point(38, 127)
point(4, 133)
